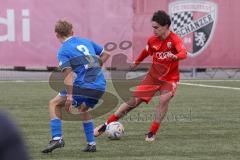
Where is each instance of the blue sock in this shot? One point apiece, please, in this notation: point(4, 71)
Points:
point(56, 127)
point(88, 129)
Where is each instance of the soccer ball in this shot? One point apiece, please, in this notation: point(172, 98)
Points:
point(114, 130)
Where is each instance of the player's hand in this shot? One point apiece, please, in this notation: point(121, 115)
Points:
point(172, 56)
point(68, 103)
point(133, 66)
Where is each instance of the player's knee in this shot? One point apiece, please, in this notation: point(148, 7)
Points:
point(52, 103)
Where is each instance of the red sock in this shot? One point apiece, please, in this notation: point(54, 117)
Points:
point(154, 127)
point(112, 118)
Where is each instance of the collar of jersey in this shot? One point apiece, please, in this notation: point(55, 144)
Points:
point(68, 38)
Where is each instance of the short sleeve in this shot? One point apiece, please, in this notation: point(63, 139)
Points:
point(98, 48)
point(179, 44)
point(64, 60)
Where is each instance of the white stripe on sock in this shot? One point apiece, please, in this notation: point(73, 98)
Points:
point(92, 143)
point(56, 138)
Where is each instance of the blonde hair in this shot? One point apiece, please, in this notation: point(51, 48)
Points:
point(63, 28)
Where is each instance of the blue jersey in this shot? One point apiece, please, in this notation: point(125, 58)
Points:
point(81, 55)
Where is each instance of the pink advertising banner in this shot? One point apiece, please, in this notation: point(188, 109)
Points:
point(209, 29)
point(27, 35)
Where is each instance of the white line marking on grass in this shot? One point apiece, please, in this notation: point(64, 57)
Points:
point(209, 86)
point(212, 80)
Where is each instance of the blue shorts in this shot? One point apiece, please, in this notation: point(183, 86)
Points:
point(86, 96)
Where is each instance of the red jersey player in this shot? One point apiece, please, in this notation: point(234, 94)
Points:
point(166, 49)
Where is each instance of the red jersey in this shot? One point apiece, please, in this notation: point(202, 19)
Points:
point(163, 66)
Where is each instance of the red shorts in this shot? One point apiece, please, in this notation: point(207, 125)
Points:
point(149, 86)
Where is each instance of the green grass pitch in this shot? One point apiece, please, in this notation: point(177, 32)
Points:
point(202, 123)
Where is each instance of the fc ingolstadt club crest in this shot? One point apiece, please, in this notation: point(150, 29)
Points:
point(194, 21)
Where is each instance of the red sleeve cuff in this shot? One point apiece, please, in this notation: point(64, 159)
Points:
point(181, 55)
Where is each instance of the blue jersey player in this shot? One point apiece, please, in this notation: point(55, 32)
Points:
point(83, 58)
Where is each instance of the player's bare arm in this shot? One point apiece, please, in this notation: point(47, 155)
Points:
point(104, 57)
point(68, 81)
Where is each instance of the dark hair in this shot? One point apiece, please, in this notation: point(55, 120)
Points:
point(63, 28)
point(162, 18)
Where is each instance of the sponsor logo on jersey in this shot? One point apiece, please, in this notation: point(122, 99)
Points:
point(163, 55)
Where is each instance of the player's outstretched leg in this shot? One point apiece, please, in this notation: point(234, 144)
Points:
point(122, 110)
point(102, 127)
